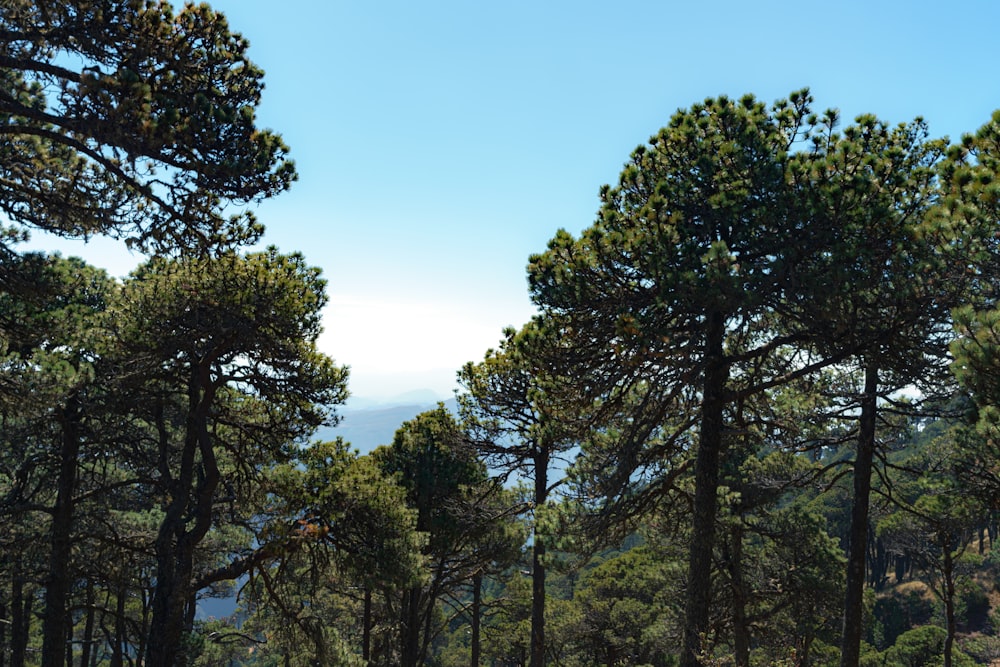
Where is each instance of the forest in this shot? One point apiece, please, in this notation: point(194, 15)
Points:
point(755, 420)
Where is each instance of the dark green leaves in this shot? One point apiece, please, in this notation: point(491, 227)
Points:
point(132, 120)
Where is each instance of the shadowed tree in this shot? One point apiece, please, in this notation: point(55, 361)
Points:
point(522, 422)
point(54, 400)
point(339, 531)
point(222, 362)
point(893, 273)
point(678, 282)
point(468, 526)
point(742, 249)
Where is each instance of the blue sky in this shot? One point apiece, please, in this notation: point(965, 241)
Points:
point(439, 144)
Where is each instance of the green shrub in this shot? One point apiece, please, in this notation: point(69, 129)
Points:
point(922, 647)
point(908, 606)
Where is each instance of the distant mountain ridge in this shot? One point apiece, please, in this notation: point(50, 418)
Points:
point(414, 397)
point(367, 423)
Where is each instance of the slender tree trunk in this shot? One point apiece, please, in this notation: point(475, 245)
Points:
point(804, 653)
point(428, 616)
point(477, 610)
point(900, 566)
point(190, 610)
point(878, 569)
point(414, 598)
point(145, 623)
point(741, 634)
point(949, 599)
point(541, 465)
point(27, 614)
point(411, 627)
point(4, 622)
point(68, 646)
point(850, 652)
point(118, 651)
point(20, 605)
point(88, 626)
point(699, 594)
point(366, 631)
point(537, 604)
point(60, 575)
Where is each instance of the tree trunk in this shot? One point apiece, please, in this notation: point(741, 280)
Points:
point(858, 536)
point(699, 594)
point(541, 466)
point(477, 609)
point(949, 598)
point(411, 627)
point(804, 653)
point(878, 568)
point(60, 575)
point(900, 566)
point(741, 634)
point(192, 493)
point(20, 607)
point(145, 622)
point(414, 598)
point(88, 627)
point(4, 622)
point(118, 650)
point(366, 630)
point(166, 630)
point(68, 646)
point(432, 597)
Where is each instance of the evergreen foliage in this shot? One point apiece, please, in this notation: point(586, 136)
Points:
point(755, 421)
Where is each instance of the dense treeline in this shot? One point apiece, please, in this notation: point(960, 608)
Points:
point(753, 423)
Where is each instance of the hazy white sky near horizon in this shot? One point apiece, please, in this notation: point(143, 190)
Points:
point(440, 143)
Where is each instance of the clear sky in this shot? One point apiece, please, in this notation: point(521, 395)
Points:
point(440, 143)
